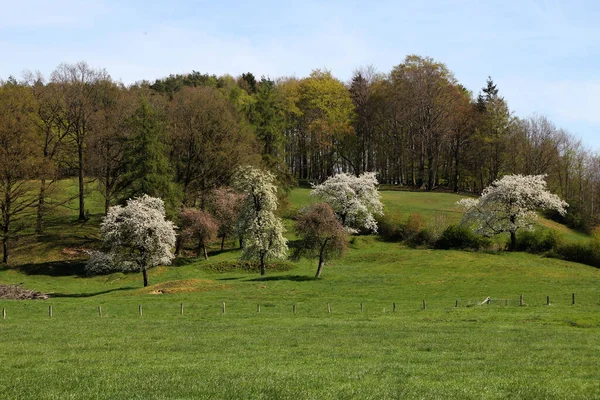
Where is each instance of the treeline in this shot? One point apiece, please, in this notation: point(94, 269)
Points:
point(182, 136)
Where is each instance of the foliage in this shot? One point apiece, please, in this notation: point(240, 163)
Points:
point(225, 204)
point(582, 252)
point(321, 234)
point(210, 140)
point(509, 204)
point(20, 162)
point(355, 200)
point(461, 237)
point(198, 225)
point(389, 227)
point(261, 229)
point(145, 161)
point(139, 234)
point(538, 241)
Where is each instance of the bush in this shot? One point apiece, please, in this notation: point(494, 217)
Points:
point(538, 241)
point(413, 226)
point(101, 263)
point(246, 266)
point(585, 253)
point(461, 237)
point(576, 218)
point(389, 228)
point(422, 238)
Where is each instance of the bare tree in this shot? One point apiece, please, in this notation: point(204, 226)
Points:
point(79, 95)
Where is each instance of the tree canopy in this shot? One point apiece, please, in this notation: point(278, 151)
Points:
point(509, 204)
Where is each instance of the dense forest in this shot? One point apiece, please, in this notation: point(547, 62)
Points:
point(183, 136)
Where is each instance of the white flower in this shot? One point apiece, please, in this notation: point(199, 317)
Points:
point(355, 200)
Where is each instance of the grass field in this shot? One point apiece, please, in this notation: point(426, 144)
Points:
point(495, 351)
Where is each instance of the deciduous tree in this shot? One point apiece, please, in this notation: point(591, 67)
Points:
point(355, 200)
point(138, 234)
point(321, 234)
point(509, 204)
point(262, 230)
point(200, 226)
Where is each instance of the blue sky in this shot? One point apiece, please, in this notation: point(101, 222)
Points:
point(543, 55)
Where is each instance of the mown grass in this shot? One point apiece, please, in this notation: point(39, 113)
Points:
point(493, 351)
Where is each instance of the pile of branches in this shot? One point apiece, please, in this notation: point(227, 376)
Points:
point(17, 292)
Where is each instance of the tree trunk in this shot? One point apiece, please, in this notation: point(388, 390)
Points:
point(178, 245)
point(39, 227)
point(145, 274)
point(202, 248)
point(81, 185)
point(5, 250)
point(321, 259)
point(263, 269)
point(222, 242)
point(320, 267)
point(513, 241)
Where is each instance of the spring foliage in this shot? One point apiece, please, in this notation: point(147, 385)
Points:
point(355, 200)
point(137, 236)
point(261, 229)
point(509, 204)
point(321, 234)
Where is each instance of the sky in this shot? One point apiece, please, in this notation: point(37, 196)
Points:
point(544, 56)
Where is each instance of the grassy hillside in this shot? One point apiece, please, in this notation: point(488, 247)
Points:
point(493, 351)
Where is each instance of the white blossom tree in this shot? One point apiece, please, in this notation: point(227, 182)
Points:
point(509, 204)
point(355, 200)
point(261, 229)
point(137, 236)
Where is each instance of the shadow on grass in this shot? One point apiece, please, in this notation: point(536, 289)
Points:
point(92, 294)
point(53, 268)
point(228, 279)
point(294, 278)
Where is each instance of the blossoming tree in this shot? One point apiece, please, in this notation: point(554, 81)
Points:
point(138, 236)
point(355, 200)
point(321, 234)
point(509, 204)
point(261, 229)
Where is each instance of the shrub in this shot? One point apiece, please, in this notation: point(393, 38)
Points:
point(413, 226)
point(390, 229)
point(422, 238)
point(538, 241)
point(461, 237)
point(582, 252)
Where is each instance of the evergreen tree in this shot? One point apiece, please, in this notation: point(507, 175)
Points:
point(146, 164)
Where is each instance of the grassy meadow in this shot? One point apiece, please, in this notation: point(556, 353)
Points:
point(492, 351)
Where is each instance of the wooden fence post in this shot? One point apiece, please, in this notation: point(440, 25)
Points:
point(547, 300)
point(223, 307)
point(329, 308)
point(573, 298)
point(181, 309)
point(361, 307)
point(99, 311)
point(394, 306)
point(50, 311)
point(294, 309)
point(3, 312)
point(521, 300)
point(258, 308)
point(456, 304)
point(424, 305)
point(140, 310)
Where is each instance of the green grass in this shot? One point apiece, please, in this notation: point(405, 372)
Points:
point(474, 351)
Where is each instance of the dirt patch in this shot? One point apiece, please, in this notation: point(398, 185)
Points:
point(75, 252)
point(17, 292)
point(183, 286)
